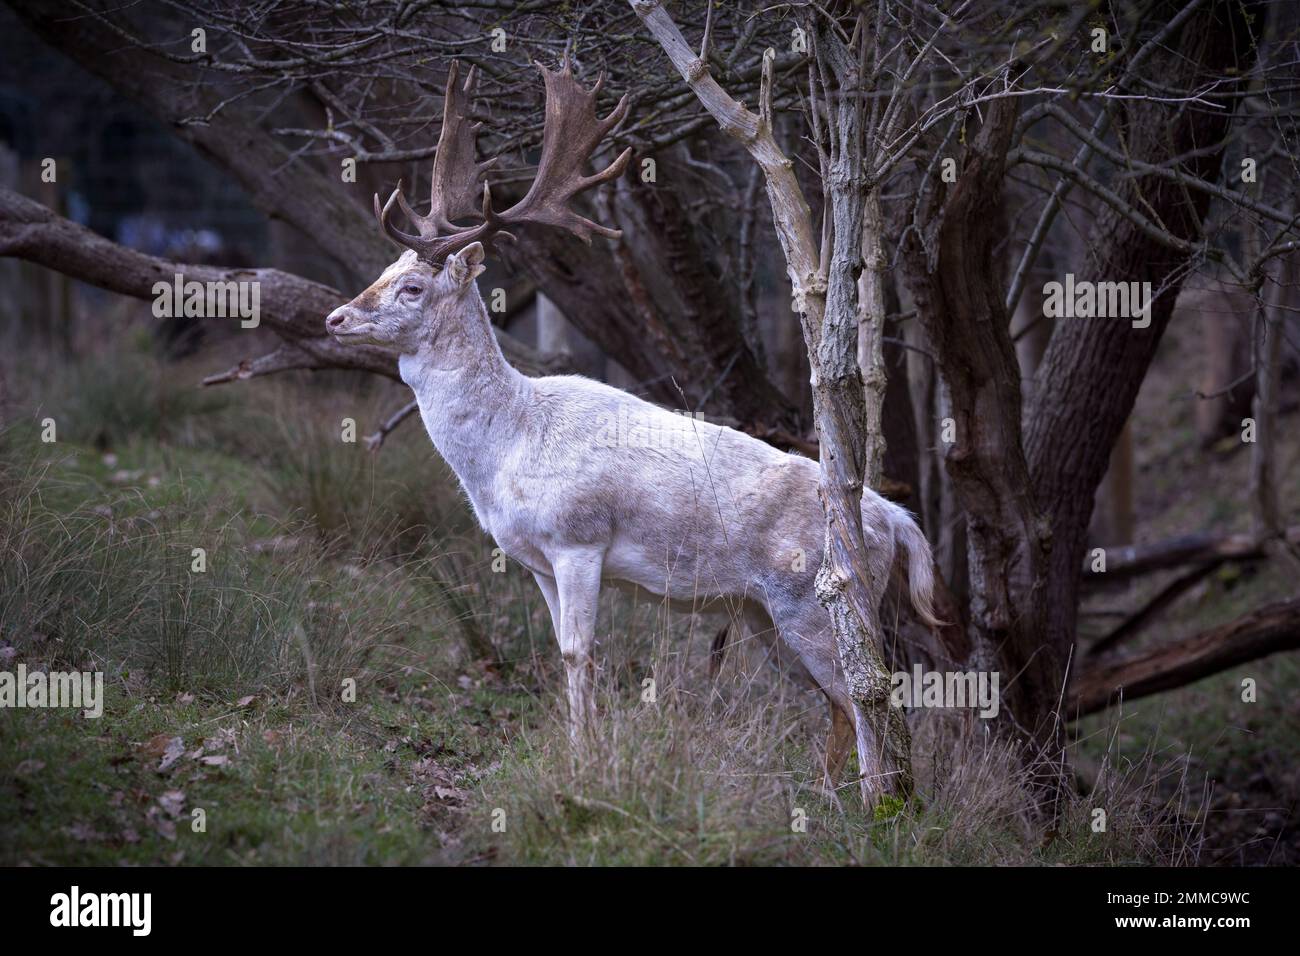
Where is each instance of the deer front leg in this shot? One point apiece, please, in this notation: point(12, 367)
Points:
point(552, 594)
point(577, 579)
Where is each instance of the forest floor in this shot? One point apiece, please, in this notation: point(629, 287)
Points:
point(1243, 757)
point(349, 679)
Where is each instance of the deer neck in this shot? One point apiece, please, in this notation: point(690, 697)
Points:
point(470, 398)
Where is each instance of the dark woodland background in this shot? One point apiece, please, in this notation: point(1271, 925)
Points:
point(333, 560)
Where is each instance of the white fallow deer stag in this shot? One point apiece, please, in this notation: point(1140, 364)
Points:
point(554, 467)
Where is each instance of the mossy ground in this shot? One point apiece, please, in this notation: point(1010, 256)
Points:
point(226, 689)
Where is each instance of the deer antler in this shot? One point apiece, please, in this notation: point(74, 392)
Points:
point(454, 188)
point(570, 135)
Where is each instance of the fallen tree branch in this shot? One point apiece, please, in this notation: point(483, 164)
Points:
point(1123, 564)
point(1139, 619)
point(314, 354)
point(1260, 633)
point(291, 306)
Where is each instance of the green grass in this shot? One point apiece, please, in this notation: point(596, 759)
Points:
point(290, 792)
point(327, 565)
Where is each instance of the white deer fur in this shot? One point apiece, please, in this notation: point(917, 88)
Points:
point(582, 483)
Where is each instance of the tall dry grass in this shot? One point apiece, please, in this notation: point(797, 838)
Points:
point(321, 560)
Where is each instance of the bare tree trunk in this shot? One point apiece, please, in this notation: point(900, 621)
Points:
point(1096, 366)
point(1267, 520)
point(871, 334)
point(1226, 385)
point(921, 379)
point(959, 298)
point(849, 583)
point(888, 723)
point(1115, 519)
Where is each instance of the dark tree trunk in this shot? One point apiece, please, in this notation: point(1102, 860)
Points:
point(956, 286)
point(1093, 368)
point(654, 301)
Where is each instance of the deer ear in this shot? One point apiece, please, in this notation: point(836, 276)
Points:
point(465, 266)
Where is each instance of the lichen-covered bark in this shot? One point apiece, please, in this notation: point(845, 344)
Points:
point(825, 294)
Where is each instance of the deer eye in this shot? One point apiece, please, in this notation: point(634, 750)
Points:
point(412, 290)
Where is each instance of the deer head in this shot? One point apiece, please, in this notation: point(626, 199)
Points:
point(429, 285)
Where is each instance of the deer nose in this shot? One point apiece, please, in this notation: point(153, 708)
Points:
point(334, 321)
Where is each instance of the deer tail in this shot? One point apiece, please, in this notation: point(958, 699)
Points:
point(920, 566)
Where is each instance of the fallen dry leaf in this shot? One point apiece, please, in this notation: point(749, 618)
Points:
point(159, 820)
point(83, 832)
point(167, 749)
point(245, 701)
point(175, 751)
point(156, 745)
point(215, 760)
point(173, 802)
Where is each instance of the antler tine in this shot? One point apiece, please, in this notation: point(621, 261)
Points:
point(571, 133)
point(384, 214)
point(490, 217)
point(453, 190)
point(434, 248)
point(454, 183)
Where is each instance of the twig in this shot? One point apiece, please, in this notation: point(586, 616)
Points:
point(376, 441)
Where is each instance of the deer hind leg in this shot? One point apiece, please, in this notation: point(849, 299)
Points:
point(839, 743)
point(718, 650)
point(805, 628)
point(872, 730)
point(577, 581)
point(841, 738)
